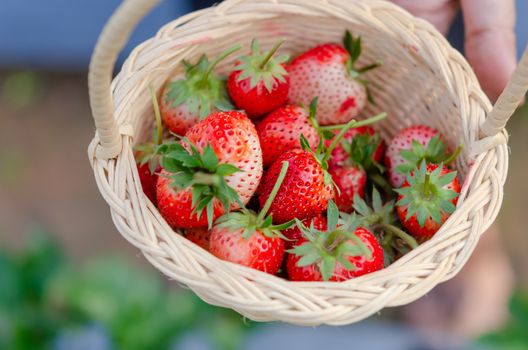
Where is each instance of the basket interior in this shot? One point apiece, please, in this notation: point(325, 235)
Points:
point(410, 86)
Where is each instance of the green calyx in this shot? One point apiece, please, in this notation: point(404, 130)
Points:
point(354, 48)
point(435, 152)
point(251, 222)
point(326, 248)
point(262, 66)
point(322, 154)
point(203, 173)
point(148, 152)
point(380, 219)
point(426, 196)
point(201, 90)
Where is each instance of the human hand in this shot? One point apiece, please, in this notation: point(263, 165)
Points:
point(489, 35)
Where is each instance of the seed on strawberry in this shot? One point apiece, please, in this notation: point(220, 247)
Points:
point(308, 186)
point(426, 199)
point(281, 130)
point(337, 253)
point(329, 72)
point(413, 145)
point(259, 84)
point(216, 167)
point(249, 239)
point(192, 96)
point(199, 236)
point(350, 180)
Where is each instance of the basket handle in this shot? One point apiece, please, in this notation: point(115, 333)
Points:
point(509, 100)
point(112, 40)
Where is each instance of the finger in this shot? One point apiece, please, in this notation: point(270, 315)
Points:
point(490, 41)
point(439, 13)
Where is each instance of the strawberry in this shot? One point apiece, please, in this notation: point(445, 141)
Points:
point(281, 130)
point(329, 72)
point(294, 234)
point(308, 186)
point(426, 199)
point(410, 147)
point(249, 239)
point(192, 96)
point(259, 84)
point(147, 158)
point(339, 253)
point(350, 180)
point(199, 236)
point(217, 166)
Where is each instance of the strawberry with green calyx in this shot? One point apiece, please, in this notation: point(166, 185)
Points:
point(380, 219)
point(413, 145)
point(259, 83)
point(147, 158)
point(338, 253)
point(308, 186)
point(330, 72)
point(216, 167)
point(189, 98)
point(249, 239)
point(191, 182)
point(427, 198)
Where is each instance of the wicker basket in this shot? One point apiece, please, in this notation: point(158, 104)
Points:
point(423, 80)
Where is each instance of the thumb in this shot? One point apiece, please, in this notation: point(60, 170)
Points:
point(490, 42)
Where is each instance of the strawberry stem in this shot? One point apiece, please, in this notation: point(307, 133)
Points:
point(218, 59)
point(393, 230)
point(453, 156)
point(274, 191)
point(270, 55)
point(157, 115)
point(351, 124)
point(206, 179)
point(368, 121)
point(426, 186)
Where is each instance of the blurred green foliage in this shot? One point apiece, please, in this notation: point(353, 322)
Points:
point(514, 335)
point(43, 295)
point(22, 89)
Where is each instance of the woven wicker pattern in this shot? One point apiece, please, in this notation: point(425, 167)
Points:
point(423, 80)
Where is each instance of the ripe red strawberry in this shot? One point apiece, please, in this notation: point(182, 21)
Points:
point(329, 72)
point(338, 253)
point(308, 186)
point(410, 147)
point(350, 180)
point(305, 191)
point(294, 234)
point(147, 158)
point(217, 167)
point(199, 236)
point(281, 130)
point(249, 239)
point(259, 84)
point(426, 199)
point(192, 96)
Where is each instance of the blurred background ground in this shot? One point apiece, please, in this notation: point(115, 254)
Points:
point(46, 183)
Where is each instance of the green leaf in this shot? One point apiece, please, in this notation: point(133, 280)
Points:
point(308, 259)
point(327, 267)
point(209, 158)
point(226, 169)
point(332, 215)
